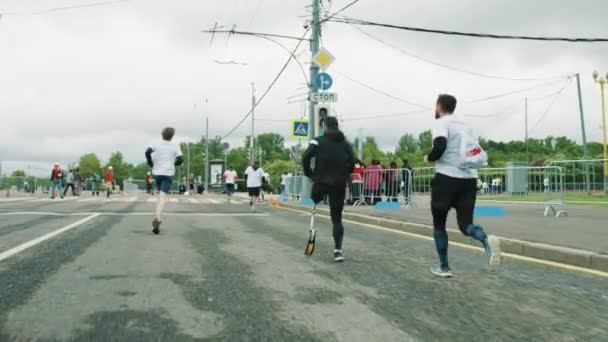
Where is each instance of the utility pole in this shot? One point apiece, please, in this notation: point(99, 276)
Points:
point(251, 141)
point(314, 69)
point(188, 175)
point(602, 81)
point(527, 150)
point(585, 149)
point(207, 154)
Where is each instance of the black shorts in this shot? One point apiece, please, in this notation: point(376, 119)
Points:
point(449, 192)
point(255, 192)
point(229, 188)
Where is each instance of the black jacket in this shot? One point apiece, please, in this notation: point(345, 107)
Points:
point(334, 159)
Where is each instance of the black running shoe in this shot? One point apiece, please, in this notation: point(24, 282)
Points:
point(156, 225)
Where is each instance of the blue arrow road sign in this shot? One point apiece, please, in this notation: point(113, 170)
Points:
point(323, 81)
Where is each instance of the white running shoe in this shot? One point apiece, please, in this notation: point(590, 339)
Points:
point(494, 254)
point(442, 271)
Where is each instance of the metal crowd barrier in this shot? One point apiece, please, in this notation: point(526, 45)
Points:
point(541, 184)
point(373, 187)
point(584, 175)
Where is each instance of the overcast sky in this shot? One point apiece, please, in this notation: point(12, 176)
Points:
point(109, 78)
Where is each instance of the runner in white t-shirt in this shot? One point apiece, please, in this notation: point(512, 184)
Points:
point(255, 177)
point(163, 158)
point(229, 179)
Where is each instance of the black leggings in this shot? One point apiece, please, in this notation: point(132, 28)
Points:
point(337, 195)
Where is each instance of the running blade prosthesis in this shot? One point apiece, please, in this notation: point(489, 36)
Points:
point(310, 246)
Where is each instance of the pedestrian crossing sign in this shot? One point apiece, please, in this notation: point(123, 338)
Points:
point(299, 129)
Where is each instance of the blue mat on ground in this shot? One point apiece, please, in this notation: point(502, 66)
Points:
point(490, 211)
point(282, 199)
point(387, 205)
point(306, 201)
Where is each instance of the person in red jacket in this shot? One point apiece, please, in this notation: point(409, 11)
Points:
point(109, 181)
point(56, 181)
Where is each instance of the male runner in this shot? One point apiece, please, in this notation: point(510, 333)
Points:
point(229, 179)
point(334, 162)
point(255, 178)
point(162, 158)
point(454, 186)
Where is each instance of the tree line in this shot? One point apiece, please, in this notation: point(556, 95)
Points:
point(277, 158)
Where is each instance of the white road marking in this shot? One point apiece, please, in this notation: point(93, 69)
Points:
point(173, 200)
point(152, 199)
point(11, 252)
point(213, 201)
point(193, 200)
point(16, 199)
point(139, 213)
point(90, 199)
point(236, 202)
point(132, 199)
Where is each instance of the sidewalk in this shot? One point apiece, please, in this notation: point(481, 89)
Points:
point(579, 239)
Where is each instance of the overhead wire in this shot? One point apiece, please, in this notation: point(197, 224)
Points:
point(557, 96)
point(448, 67)
point(363, 84)
point(340, 11)
point(517, 91)
point(274, 81)
point(65, 8)
point(347, 20)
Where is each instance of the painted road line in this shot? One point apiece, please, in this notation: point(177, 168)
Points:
point(17, 199)
point(132, 199)
point(151, 199)
point(236, 202)
point(90, 199)
point(173, 200)
point(213, 201)
point(11, 252)
point(462, 245)
point(42, 213)
point(193, 200)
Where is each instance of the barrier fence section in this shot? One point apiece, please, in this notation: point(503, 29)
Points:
point(382, 186)
point(371, 188)
point(540, 184)
point(22, 186)
point(584, 175)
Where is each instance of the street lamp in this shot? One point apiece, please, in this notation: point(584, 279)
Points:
point(602, 81)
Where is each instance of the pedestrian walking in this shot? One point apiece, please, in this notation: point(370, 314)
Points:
point(95, 186)
point(77, 181)
point(334, 162)
point(254, 176)
point(109, 180)
point(56, 181)
point(392, 183)
point(163, 158)
point(407, 178)
point(230, 177)
point(69, 183)
point(148, 181)
point(457, 155)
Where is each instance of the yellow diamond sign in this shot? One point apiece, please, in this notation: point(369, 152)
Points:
point(323, 59)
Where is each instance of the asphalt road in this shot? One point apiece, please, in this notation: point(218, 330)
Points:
point(218, 273)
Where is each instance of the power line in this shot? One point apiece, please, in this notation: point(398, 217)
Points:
point(382, 92)
point(213, 31)
point(65, 8)
point(274, 81)
point(340, 11)
point(521, 90)
point(548, 109)
point(347, 20)
point(445, 66)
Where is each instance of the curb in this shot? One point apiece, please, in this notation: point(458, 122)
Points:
point(542, 251)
